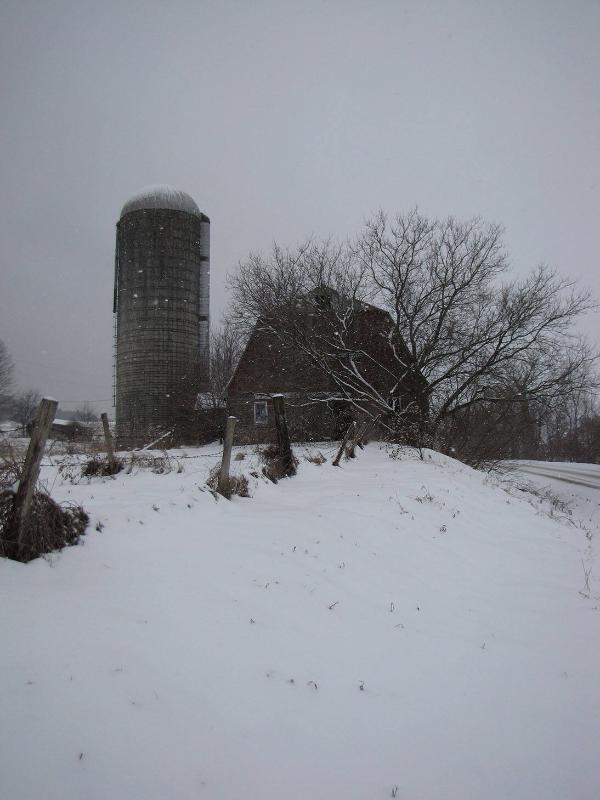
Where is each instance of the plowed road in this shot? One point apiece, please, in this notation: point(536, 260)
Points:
point(579, 474)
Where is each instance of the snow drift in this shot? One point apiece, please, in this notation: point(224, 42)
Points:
point(392, 628)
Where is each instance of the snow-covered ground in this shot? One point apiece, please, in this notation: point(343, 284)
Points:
point(392, 628)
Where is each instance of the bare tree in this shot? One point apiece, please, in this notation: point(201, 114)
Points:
point(458, 334)
point(570, 430)
point(6, 378)
point(475, 339)
point(24, 406)
point(226, 346)
point(86, 413)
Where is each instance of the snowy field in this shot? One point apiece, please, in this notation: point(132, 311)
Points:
point(392, 628)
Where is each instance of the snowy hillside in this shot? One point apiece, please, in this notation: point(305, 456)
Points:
point(392, 628)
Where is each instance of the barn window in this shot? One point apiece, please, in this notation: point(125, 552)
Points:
point(261, 414)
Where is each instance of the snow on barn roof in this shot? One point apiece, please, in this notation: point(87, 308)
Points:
point(163, 197)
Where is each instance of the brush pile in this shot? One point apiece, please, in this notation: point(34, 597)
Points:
point(49, 526)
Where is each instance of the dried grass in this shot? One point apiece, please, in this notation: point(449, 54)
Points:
point(160, 465)
point(238, 484)
point(315, 458)
point(276, 466)
point(49, 525)
point(98, 466)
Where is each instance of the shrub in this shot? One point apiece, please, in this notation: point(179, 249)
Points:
point(49, 527)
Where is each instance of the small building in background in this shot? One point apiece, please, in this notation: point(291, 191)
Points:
point(68, 430)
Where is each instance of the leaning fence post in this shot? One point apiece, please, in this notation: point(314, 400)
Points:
point(31, 470)
point(349, 432)
point(360, 436)
point(355, 440)
point(224, 484)
point(112, 464)
point(283, 437)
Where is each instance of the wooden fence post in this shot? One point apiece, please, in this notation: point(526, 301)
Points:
point(112, 464)
point(283, 437)
point(31, 470)
point(349, 432)
point(356, 440)
point(224, 484)
point(360, 437)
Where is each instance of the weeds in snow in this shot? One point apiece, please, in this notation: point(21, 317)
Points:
point(98, 466)
point(427, 497)
point(238, 484)
point(158, 464)
point(49, 526)
point(276, 467)
point(315, 458)
point(586, 591)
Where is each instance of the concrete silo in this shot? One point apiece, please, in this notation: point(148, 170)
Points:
point(161, 310)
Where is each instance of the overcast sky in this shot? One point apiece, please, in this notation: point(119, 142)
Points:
point(281, 119)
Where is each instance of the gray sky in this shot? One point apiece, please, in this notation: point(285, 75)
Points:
point(281, 119)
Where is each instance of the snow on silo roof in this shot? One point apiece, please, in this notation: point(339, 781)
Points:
point(163, 197)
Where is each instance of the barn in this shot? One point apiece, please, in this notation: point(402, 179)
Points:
point(315, 408)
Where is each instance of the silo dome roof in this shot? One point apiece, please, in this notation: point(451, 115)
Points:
point(163, 197)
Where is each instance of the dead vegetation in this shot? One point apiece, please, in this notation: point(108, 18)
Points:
point(315, 458)
point(12, 448)
point(277, 466)
point(49, 526)
point(158, 464)
point(101, 467)
point(238, 484)
point(73, 470)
